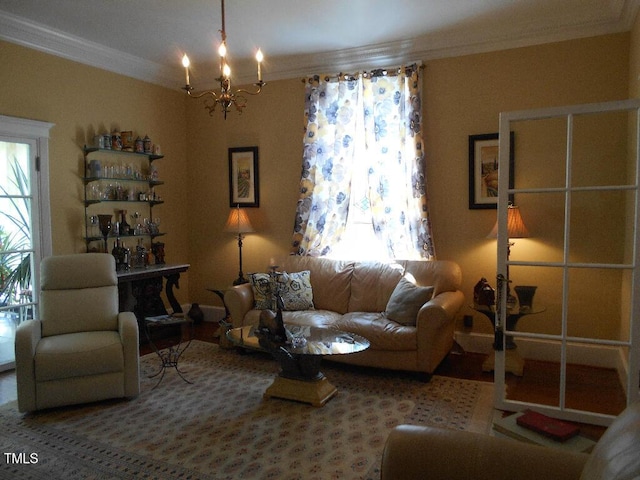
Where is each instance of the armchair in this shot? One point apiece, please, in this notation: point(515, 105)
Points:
point(415, 452)
point(79, 349)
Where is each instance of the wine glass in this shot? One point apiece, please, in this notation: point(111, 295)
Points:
point(105, 228)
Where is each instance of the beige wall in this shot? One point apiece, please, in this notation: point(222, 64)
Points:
point(80, 101)
point(462, 96)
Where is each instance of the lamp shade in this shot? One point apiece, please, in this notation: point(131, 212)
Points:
point(515, 225)
point(238, 222)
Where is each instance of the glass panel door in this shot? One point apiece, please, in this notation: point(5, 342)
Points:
point(17, 302)
point(572, 332)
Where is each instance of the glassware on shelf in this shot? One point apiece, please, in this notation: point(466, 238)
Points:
point(94, 222)
point(105, 227)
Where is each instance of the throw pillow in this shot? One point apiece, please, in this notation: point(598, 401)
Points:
point(262, 291)
point(406, 300)
point(295, 289)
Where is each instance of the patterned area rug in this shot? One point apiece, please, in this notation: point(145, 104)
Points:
point(220, 427)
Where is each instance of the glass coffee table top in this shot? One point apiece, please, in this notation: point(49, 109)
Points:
point(305, 340)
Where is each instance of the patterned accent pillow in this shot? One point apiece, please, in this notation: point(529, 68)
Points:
point(295, 289)
point(262, 290)
point(406, 300)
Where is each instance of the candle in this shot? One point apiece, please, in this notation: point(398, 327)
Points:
point(259, 58)
point(185, 64)
point(222, 51)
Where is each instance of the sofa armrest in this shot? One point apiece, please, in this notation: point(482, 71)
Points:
point(28, 334)
point(441, 309)
point(239, 300)
point(434, 329)
point(129, 335)
point(413, 452)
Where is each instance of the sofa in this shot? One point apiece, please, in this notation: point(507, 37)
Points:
point(405, 309)
point(420, 453)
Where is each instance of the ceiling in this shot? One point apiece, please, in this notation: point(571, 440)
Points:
point(145, 39)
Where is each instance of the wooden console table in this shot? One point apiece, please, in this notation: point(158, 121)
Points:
point(139, 290)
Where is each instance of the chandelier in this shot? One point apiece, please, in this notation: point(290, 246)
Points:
point(226, 98)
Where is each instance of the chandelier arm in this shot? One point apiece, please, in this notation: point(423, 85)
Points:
point(259, 85)
point(189, 91)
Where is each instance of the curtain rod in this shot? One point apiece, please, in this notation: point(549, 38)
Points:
point(376, 72)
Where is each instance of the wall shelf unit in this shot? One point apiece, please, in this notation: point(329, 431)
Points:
point(124, 182)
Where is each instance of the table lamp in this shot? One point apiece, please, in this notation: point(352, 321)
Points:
point(515, 229)
point(238, 223)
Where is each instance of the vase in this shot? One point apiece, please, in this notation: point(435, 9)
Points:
point(125, 228)
point(525, 297)
point(196, 314)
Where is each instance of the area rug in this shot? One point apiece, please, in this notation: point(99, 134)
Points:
point(220, 427)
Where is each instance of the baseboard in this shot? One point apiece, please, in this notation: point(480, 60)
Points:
point(593, 355)
point(212, 313)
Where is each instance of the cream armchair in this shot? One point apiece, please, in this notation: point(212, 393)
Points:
point(80, 349)
point(431, 453)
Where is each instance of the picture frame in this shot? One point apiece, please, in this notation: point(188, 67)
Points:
point(483, 170)
point(243, 177)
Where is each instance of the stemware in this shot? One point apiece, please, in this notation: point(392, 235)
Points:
point(105, 228)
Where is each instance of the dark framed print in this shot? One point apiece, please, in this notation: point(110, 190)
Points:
point(483, 170)
point(243, 177)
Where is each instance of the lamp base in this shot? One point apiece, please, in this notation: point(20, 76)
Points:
point(240, 280)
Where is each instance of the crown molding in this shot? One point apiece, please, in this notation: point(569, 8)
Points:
point(33, 35)
point(39, 37)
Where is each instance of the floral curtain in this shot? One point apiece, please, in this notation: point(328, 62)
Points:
point(383, 112)
point(393, 135)
point(330, 114)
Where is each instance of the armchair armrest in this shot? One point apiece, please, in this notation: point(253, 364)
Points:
point(239, 300)
point(413, 452)
point(28, 334)
point(129, 335)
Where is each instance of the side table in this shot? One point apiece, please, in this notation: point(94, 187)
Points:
point(514, 362)
point(169, 356)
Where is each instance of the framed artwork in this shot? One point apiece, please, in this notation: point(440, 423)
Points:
point(483, 170)
point(243, 177)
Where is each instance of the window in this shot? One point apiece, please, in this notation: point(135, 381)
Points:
point(362, 189)
point(25, 233)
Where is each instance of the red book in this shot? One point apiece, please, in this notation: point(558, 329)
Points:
point(551, 427)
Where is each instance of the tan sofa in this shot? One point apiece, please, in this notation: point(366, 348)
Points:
point(419, 453)
point(353, 296)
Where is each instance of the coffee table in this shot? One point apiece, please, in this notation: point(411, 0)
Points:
point(300, 378)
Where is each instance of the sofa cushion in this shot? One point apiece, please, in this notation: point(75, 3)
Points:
point(330, 279)
point(78, 355)
point(312, 318)
point(372, 284)
point(382, 333)
point(296, 290)
point(406, 300)
point(262, 291)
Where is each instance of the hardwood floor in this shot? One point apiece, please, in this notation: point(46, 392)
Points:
point(595, 389)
